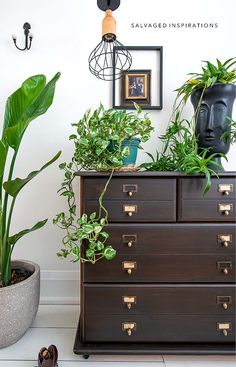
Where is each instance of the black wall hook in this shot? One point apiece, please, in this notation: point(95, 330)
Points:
point(28, 37)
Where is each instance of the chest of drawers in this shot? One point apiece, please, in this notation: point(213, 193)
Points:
point(171, 287)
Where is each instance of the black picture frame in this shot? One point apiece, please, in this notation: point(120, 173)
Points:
point(118, 91)
point(136, 87)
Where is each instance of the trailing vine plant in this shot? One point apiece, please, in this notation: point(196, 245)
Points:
point(98, 146)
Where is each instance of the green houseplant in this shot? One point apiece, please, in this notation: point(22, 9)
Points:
point(98, 146)
point(28, 102)
point(181, 141)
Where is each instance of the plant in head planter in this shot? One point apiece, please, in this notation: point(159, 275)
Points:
point(19, 296)
point(102, 143)
point(196, 146)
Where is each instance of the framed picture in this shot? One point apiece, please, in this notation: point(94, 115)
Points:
point(136, 87)
point(143, 83)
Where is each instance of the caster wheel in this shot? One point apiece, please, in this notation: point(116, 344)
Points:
point(85, 356)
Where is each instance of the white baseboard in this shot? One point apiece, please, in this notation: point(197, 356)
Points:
point(59, 287)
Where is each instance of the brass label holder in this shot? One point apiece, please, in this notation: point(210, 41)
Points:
point(224, 239)
point(129, 301)
point(224, 301)
point(130, 209)
point(130, 189)
point(225, 208)
point(224, 327)
point(129, 239)
point(226, 188)
point(129, 327)
point(128, 266)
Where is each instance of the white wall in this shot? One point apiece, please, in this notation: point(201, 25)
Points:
point(65, 33)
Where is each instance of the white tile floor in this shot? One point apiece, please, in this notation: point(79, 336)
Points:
point(56, 325)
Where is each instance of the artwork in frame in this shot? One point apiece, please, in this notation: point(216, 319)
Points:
point(142, 84)
point(136, 87)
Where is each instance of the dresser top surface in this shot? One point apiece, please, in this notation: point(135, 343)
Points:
point(149, 174)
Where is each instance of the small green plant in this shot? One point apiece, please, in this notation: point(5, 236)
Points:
point(180, 153)
point(98, 145)
point(211, 74)
point(31, 100)
point(231, 133)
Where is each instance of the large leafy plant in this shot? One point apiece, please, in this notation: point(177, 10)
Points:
point(98, 145)
point(180, 149)
point(28, 102)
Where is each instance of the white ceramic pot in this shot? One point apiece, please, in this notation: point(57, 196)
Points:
point(19, 304)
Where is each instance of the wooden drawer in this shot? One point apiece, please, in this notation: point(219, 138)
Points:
point(172, 238)
point(131, 189)
point(162, 268)
point(137, 211)
point(207, 210)
point(192, 188)
point(149, 328)
point(159, 299)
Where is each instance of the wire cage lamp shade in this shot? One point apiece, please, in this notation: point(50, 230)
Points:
point(110, 57)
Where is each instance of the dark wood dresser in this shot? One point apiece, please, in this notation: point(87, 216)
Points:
point(171, 287)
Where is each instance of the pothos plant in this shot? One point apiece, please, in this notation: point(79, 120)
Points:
point(180, 144)
point(97, 146)
point(31, 100)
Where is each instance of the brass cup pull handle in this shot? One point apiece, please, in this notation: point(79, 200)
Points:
point(225, 208)
point(129, 266)
point(129, 327)
point(130, 209)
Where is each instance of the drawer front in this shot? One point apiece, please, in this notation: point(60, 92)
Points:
point(159, 299)
point(222, 188)
point(174, 238)
point(137, 211)
point(162, 268)
point(207, 210)
point(131, 189)
point(168, 328)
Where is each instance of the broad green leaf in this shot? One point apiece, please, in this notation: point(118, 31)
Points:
point(13, 239)
point(87, 228)
point(3, 155)
point(28, 102)
point(109, 253)
point(13, 187)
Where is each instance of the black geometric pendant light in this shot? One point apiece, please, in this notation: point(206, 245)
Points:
point(110, 57)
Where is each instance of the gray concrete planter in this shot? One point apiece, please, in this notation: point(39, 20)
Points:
point(19, 304)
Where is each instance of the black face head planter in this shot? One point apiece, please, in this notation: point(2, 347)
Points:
point(216, 105)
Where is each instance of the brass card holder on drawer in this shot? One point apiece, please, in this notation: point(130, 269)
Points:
point(129, 301)
point(224, 301)
point(129, 239)
point(129, 327)
point(224, 266)
point(128, 266)
point(225, 188)
point(130, 209)
point(224, 327)
point(225, 239)
point(130, 189)
point(225, 209)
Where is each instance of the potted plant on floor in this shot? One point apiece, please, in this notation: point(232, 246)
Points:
point(102, 143)
point(19, 280)
point(195, 145)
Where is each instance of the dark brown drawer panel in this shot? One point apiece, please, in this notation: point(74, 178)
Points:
point(141, 211)
point(192, 188)
point(207, 210)
point(162, 268)
point(168, 328)
point(159, 299)
point(131, 189)
point(172, 238)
